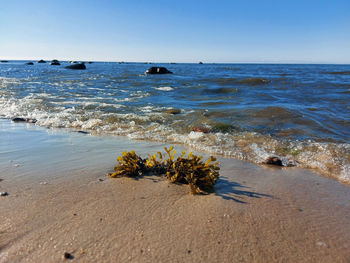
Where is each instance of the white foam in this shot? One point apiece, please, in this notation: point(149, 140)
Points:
point(345, 174)
point(164, 88)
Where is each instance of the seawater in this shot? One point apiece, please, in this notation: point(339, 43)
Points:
point(300, 113)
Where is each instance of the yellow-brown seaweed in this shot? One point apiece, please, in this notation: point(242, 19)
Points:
point(130, 165)
point(189, 170)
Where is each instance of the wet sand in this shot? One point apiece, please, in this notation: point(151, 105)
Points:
point(60, 200)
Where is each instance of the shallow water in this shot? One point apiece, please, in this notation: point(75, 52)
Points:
point(298, 112)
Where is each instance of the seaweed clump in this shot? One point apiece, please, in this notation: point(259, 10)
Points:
point(129, 165)
point(200, 176)
point(192, 170)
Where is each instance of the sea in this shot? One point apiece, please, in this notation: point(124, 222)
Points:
point(297, 112)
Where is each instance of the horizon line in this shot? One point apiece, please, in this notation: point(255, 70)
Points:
point(179, 62)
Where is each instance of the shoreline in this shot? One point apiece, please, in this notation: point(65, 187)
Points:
point(60, 200)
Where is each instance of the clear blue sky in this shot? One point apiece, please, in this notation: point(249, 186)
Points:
point(293, 31)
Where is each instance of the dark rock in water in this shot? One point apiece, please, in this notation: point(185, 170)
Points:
point(90, 62)
point(74, 62)
point(254, 81)
point(201, 129)
point(41, 61)
point(4, 193)
point(29, 63)
point(173, 111)
point(274, 161)
point(200, 62)
point(4, 61)
point(67, 255)
point(77, 66)
point(158, 70)
point(17, 119)
point(83, 132)
point(55, 63)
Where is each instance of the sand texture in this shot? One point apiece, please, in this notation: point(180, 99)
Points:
point(256, 214)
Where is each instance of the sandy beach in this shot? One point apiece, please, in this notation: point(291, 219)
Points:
point(60, 200)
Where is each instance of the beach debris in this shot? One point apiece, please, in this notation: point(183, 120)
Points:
point(19, 119)
point(67, 255)
point(274, 160)
point(173, 111)
point(158, 70)
point(321, 244)
point(29, 63)
point(4, 193)
point(200, 176)
point(201, 129)
point(41, 61)
point(78, 66)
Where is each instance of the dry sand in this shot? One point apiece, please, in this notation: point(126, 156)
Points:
point(60, 200)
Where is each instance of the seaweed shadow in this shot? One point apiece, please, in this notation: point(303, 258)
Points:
point(235, 191)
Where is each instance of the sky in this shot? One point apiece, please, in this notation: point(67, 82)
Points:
point(227, 31)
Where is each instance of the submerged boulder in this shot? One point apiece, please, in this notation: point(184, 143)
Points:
point(29, 63)
point(274, 160)
point(77, 66)
point(158, 70)
point(173, 111)
point(41, 61)
point(201, 129)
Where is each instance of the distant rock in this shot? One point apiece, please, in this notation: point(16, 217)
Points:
point(29, 63)
point(4, 61)
point(158, 70)
point(200, 62)
point(90, 62)
point(55, 63)
point(18, 119)
point(77, 66)
point(274, 161)
point(41, 61)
